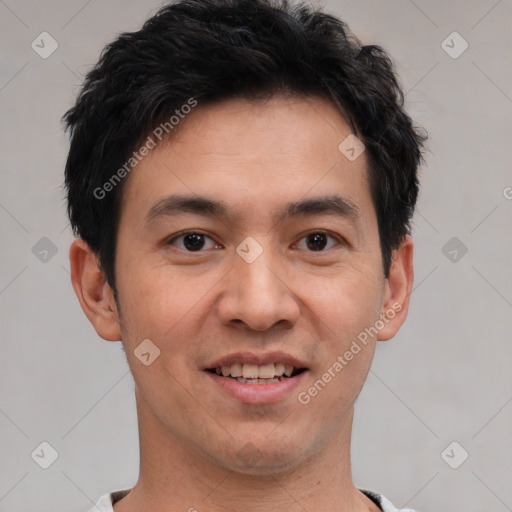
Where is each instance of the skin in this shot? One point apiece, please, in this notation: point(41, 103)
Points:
point(255, 157)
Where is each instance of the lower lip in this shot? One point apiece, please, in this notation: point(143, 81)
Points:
point(258, 393)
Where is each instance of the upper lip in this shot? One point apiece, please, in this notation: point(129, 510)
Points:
point(254, 358)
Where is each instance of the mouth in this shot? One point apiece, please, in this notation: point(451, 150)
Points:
point(247, 373)
point(257, 379)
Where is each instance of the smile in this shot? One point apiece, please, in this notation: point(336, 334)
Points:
point(248, 373)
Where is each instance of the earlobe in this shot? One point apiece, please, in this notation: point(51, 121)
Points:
point(398, 290)
point(94, 293)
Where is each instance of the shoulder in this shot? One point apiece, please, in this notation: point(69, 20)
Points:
point(384, 504)
point(106, 502)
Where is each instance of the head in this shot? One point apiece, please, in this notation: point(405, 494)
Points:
point(227, 119)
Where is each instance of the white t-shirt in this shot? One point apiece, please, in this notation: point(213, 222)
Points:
point(106, 502)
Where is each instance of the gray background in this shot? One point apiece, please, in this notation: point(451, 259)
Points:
point(446, 377)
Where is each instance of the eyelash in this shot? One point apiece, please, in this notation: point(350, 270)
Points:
point(338, 239)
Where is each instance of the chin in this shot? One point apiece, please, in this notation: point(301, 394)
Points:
point(262, 457)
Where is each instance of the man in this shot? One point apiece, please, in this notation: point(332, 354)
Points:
point(241, 177)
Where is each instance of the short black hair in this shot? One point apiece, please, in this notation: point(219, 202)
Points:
point(212, 50)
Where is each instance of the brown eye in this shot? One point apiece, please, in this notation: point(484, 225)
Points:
point(318, 241)
point(193, 241)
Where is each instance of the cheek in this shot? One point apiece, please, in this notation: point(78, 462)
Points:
point(152, 301)
point(161, 306)
point(169, 306)
point(346, 301)
point(345, 305)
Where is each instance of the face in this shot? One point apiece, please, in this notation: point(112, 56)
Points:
point(248, 246)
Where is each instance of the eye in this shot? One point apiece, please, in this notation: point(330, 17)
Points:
point(317, 241)
point(193, 241)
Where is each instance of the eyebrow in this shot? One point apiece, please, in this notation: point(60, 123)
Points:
point(323, 205)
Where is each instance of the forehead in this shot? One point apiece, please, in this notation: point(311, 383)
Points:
point(253, 156)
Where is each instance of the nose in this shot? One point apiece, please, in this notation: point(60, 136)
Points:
point(258, 295)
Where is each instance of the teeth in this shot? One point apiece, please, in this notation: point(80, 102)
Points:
point(259, 381)
point(266, 371)
point(279, 369)
point(246, 372)
point(250, 371)
point(236, 370)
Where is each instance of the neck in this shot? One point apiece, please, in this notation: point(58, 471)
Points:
point(176, 476)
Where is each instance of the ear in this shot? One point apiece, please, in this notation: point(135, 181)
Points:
point(93, 292)
point(398, 288)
